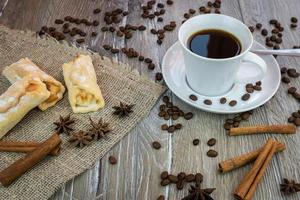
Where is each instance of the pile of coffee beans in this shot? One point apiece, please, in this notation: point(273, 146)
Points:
point(147, 12)
point(115, 16)
point(181, 179)
point(161, 32)
point(170, 111)
point(288, 73)
point(294, 22)
point(295, 118)
point(236, 120)
point(124, 31)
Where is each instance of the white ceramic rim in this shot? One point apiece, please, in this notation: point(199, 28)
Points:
point(209, 109)
point(214, 59)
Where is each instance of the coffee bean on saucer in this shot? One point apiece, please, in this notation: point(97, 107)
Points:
point(212, 153)
point(156, 145)
point(164, 127)
point(58, 21)
point(258, 25)
point(223, 100)
point(193, 97)
point(245, 97)
point(207, 102)
point(258, 83)
point(292, 90)
point(211, 142)
point(285, 79)
point(257, 88)
point(188, 116)
point(249, 85)
point(250, 89)
point(232, 103)
point(264, 32)
point(202, 9)
point(96, 11)
point(296, 114)
point(196, 142)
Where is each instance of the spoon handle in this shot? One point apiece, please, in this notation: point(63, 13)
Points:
point(281, 52)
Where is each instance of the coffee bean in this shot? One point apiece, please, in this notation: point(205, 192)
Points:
point(292, 73)
point(166, 117)
point(196, 142)
point(165, 182)
point(211, 142)
point(285, 79)
point(202, 9)
point(209, 4)
point(269, 44)
point(297, 122)
point(151, 66)
point(292, 90)
point(293, 25)
point(257, 88)
point(232, 103)
point(172, 178)
point(160, 5)
point(66, 30)
point(237, 118)
point(171, 129)
point(178, 126)
point(236, 124)
point(198, 178)
point(142, 28)
point(296, 114)
point(179, 185)
point(264, 32)
point(160, 19)
point(212, 153)
point(181, 176)
point(273, 21)
point(170, 2)
point(283, 70)
point(164, 175)
point(223, 100)
point(207, 102)
point(245, 116)
point(156, 145)
point(107, 47)
point(114, 51)
point(96, 11)
point(125, 13)
point(251, 28)
point(104, 29)
point(227, 126)
point(169, 105)
point(217, 11)
point(291, 119)
point(229, 121)
point(148, 60)
point(190, 177)
point(186, 15)
point(193, 97)
point(159, 41)
point(258, 25)
point(296, 95)
point(245, 97)
point(258, 83)
point(192, 11)
point(58, 21)
point(278, 40)
point(158, 76)
point(164, 127)
point(80, 40)
point(161, 197)
point(112, 160)
point(141, 58)
point(294, 20)
point(188, 116)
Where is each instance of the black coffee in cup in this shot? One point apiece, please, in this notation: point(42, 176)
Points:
point(214, 43)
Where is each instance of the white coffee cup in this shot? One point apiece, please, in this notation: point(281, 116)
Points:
point(214, 77)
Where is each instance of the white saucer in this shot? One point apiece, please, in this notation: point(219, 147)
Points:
point(173, 70)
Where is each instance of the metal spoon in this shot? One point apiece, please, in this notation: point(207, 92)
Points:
point(280, 52)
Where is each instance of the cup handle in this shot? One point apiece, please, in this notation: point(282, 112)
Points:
point(259, 62)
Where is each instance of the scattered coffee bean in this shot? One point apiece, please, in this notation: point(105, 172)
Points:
point(232, 103)
point(164, 175)
point(107, 47)
point(95, 23)
point(245, 116)
point(223, 100)
point(196, 142)
point(292, 73)
point(181, 176)
point(172, 178)
point(257, 87)
point(112, 160)
point(251, 28)
point(151, 66)
point(171, 129)
point(96, 11)
point(178, 126)
point(250, 89)
point(179, 185)
point(285, 79)
point(158, 76)
point(164, 127)
point(211, 142)
point(94, 34)
point(207, 102)
point(190, 177)
point(156, 145)
point(188, 116)
point(165, 182)
point(212, 153)
point(170, 2)
point(258, 25)
point(245, 97)
point(292, 90)
point(294, 20)
point(264, 32)
point(80, 40)
point(192, 11)
point(114, 50)
point(297, 122)
point(283, 70)
point(161, 197)
point(291, 119)
point(293, 25)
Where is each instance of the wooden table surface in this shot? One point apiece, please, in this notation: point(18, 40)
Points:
point(136, 175)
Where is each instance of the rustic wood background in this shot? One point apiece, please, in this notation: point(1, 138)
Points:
point(136, 176)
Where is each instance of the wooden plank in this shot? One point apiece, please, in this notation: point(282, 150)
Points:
point(280, 107)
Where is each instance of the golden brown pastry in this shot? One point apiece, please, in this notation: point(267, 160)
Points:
point(25, 67)
point(19, 99)
point(81, 81)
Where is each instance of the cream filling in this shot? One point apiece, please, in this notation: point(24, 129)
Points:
point(85, 99)
point(54, 90)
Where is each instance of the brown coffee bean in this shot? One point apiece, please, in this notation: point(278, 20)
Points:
point(114, 50)
point(94, 34)
point(106, 47)
point(283, 70)
point(269, 44)
point(156, 145)
point(95, 23)
point(128, 35)
point(120, 34)
point(196, 142)
point(193, 97)
point(80, 40)
point(186, 15)
point(223, 100)
point(285, 79)
point(166, 99)
point(170, 2)
point(192, 11)
point(245, 116)
point(198, 178)
point(141, 58)
point(96, 11)
point(164, 175)
point(258, 25)
point(112, 160)
point(237, 118)
point(212, 153)
point(257, 88)
point(249, 85)
point(296, 95)
point(175, 116)
point(158, 76)
point(171, 129)
point(188, 116)
point(166, 117)
point(151, 66)
point(293, 25)
point(296, 114)
point(229, 121)
point(160, 19)
point(258, 83)
point(207, 102)
point(161, 197)
point(291, 119)
point(160, 5)
point(181, 176)
point(172, 178)
point(66, 30)
point(190, 177)
point(264, 32)
point(273, 21)
point(169, 105)
point(217, 11)
point(294, 20)
point(292, 90)
point(236, 124)
point(142, 28)
point(165, 182)
point(251, 28)
point(211, 142)
point(250, 89)
point(232, 103)
point(58, 21)
point(178, 126)
point(159, 41)
point(202, 9)
point(245, 97)
point(297, 122)
point(164, 127)
point(227, 126)
point(180, 185)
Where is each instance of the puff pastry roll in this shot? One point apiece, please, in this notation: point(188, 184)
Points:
point(83, 91)
point(19, 99)
point(25, 67)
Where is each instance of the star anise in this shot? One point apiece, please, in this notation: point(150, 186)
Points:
point(64, 125)
point(80, 139)
point(289, 187)
point(196, 193)
point(99, 130)
point(123, 109)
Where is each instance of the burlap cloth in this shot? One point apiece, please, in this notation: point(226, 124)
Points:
point(117, 82)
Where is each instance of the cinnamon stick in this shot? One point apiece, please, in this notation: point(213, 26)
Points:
point(279, 129)
point(239, 161)
point(248, 185)
point(18, 168)
point(24, 147)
